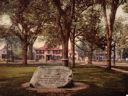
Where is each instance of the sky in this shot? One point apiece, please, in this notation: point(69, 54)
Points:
point(121, 13)
point(6, 21)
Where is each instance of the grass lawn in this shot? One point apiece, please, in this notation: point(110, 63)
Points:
point(102, 82)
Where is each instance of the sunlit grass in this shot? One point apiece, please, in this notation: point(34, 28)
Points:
point(12, 72)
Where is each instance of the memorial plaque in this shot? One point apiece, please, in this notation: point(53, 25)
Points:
point(51, 77)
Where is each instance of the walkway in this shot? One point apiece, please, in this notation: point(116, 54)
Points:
point(101, 64)
point(120, 70)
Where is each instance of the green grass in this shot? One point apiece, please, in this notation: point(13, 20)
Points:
point(11, 79)
point(13, 72)
point(102, 82)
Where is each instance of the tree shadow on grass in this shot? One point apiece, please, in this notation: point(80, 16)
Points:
point(12, 87)
point(109, 88)
point(94, 90)
point(125, 82)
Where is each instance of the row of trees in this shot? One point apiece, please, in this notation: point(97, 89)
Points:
point(67, 18)
point(120, 37)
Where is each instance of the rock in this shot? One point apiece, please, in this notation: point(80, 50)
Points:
point(52, 77)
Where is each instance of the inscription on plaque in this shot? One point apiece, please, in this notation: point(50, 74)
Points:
point(51, 77)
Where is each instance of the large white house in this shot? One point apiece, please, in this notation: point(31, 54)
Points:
point(46, 54)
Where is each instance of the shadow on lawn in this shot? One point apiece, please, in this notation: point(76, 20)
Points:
point(12, 87)
point(107, 89)
point(100, 91)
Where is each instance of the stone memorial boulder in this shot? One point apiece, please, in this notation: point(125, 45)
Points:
point(52, 77)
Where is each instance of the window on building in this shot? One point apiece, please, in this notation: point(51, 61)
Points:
point(42, 51)
point(56, 51)
point(48, 51)
point(38, 51)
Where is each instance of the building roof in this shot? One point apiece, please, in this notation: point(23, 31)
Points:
point(45, 47)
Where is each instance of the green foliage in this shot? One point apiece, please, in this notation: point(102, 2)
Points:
point(125, 53)
point(2, 32)
point(102, 42)
point(88, 26)
point(120, 33)
point(2, 6)
point(125, 8)
point(28, 17)
point(52, 36)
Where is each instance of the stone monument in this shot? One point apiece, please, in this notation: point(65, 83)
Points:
point(54, 81)
point(52, 77)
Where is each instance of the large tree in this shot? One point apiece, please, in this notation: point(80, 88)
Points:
point(80, 8)
point(28, 18)
point(87, 30)
point(66, 17)
point(109, 17)
point(65, 12)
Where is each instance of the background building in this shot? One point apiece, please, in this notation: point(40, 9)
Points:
point(45, 54)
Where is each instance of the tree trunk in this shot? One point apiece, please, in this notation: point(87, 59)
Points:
point(65, 52)
point(64, 22)
point(73, 51)
point(24, 53)
point(121, 54)
point(109, 26)
point(108, 36)
point(109, 47)
point(7, 54)
point(91, 54)
point(31, 56)
point(114, 55)
point(12, 55)
point(73, 47)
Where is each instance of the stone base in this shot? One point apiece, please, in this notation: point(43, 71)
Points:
point(78, 87)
